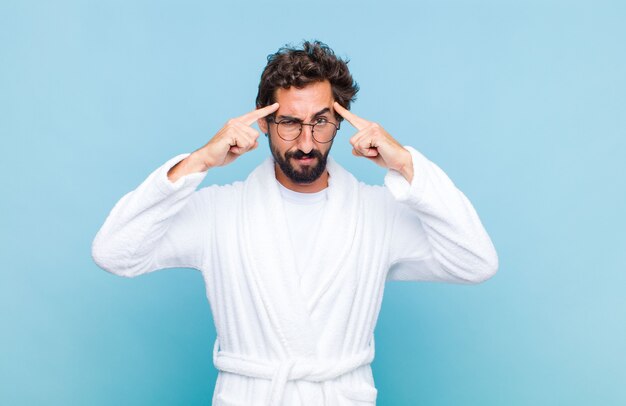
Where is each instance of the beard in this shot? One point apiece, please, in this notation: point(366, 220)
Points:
point(307, 173)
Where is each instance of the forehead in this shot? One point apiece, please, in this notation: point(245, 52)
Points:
point(306, 101)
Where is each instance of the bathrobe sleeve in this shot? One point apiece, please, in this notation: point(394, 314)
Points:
point(154, 226)
point(436, 233)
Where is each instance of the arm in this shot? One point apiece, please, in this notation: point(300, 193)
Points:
point(154, 226)
point(437, 235)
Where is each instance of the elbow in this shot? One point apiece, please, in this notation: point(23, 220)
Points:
point(485, 268)
point(475, 268)
point(114, 261)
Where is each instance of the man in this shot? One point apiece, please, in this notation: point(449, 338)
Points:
point(295, 258)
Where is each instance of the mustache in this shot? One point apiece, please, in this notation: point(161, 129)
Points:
point(314, 153)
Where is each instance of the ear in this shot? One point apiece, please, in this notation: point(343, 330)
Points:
point(262, 123)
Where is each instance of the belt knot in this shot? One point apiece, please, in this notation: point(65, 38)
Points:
point(289, 369)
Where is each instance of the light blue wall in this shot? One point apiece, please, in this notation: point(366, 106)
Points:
point(521, 103)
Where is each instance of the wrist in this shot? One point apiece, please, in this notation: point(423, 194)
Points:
point(191, 164)
point(406, 169)
point(196, 162)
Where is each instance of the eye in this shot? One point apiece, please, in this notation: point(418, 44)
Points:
point(290, 125)
point(321, 120)
point(288, 122)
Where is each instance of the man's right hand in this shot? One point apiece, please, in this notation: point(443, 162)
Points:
point(234, 139)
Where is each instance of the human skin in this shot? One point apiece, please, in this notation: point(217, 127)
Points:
point(303, 104)
point(231, 141)
point(237, 137)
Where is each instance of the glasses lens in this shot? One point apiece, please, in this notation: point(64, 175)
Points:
point(289, 130)
point(324, 131)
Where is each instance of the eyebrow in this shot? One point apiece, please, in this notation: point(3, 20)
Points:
point(319, 113)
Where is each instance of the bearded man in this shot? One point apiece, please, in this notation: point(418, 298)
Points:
point(295, 258)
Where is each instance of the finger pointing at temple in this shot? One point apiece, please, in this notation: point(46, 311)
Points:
point(254, 115)
point(356, 121)
point(234, 139)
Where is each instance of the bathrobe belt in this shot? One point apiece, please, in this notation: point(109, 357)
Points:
point(279, 372)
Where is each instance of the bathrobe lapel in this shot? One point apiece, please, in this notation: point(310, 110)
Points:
point(269, 258)
point(266, 250)
point(335, 236)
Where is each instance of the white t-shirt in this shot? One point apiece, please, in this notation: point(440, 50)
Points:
point(304, 215)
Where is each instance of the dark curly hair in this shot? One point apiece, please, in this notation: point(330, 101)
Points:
point(299, 66)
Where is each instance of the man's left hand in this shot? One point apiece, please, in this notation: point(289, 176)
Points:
point(374, 143)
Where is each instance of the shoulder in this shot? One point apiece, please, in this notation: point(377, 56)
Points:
point(371, 194)
point(377, 195)
point(225, 189)
point(219, 193)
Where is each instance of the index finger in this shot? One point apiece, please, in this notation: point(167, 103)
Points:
point(254, 115)
point(358, 122)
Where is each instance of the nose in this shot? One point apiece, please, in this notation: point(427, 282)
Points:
point(305, 140)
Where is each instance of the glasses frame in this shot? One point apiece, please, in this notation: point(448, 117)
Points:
point(302, 124)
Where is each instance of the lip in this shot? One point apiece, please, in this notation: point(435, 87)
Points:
point(305, 160)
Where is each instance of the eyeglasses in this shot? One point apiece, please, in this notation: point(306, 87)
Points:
point(322, 130)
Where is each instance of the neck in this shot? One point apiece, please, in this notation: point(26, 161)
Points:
point(317, 185)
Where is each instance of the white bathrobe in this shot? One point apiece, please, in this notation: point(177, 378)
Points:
point(283, 339)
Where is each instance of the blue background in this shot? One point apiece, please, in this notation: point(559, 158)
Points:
point(521, 103)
